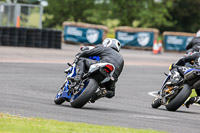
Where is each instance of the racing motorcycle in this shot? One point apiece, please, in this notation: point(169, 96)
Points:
point(173, 94)
point(92, 82)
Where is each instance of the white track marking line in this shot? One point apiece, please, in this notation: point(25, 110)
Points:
point(153, 93)
point(150, 117)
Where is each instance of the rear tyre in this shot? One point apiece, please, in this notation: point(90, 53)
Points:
point(156, 103)
point(179, 99)
point(58, 99)
point(85, 96)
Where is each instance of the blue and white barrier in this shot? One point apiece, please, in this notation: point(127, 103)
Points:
point(137, 37)
point(84, 33)
point(176, 41)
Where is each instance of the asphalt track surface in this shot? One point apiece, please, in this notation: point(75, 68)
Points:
point(30, 78)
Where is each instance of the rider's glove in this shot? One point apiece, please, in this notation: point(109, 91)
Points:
point(77, 55)
point(181, 62)
point(83, 48)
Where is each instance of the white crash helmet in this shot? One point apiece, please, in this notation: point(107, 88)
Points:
point(112, 43)
point(198, 33)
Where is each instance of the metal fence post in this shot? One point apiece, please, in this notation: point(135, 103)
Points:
point(1, 11)
point(41, 13)
point(10, 14)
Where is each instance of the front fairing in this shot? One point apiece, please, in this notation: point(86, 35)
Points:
point(166, 79)
point(71, 73)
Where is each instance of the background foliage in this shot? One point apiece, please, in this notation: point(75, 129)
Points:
point(165, 15)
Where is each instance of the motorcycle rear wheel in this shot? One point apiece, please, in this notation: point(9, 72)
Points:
point(85, 96)
point(179, 99)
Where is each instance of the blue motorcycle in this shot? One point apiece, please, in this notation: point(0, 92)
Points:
point(171, 95)
point(92, 82)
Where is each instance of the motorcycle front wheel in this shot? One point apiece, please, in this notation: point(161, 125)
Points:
point(58, 99)
point(85, 96)
point(180, 98)
point(156, 103)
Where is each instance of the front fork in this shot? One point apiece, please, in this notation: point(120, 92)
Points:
point(163, 86)
point(163, 98)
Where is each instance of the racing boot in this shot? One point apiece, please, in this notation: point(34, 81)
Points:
point(96, 96)
point(100, 94)
point(192, 100)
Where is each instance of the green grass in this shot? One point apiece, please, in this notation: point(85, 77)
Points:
point(110, 35)
point(15, 124)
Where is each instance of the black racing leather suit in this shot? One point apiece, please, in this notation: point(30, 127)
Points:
point(194, 57)
point(194, 44)
point(107, 55)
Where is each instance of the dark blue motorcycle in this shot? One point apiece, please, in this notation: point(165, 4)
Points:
point(171, 95)
point(92, 82)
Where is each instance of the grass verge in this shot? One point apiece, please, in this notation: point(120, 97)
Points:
point(15, 124)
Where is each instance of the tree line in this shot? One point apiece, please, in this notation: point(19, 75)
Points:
point(165, 15)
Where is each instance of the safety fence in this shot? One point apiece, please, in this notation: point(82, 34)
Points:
point(142, 38)
point(30, 37)
point(21, 15)
point(177, 41)
point(91, 34)
point(76, 32)
point(136, 38)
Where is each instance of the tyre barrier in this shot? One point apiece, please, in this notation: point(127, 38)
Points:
point(30, 37)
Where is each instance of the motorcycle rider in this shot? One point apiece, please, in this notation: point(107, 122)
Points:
point(108, 52)
point(195, 58)
point(194, 45)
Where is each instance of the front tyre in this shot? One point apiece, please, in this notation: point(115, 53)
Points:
point(179, 99)
point(85, 96)
point(58, 99)
point(156, 103)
